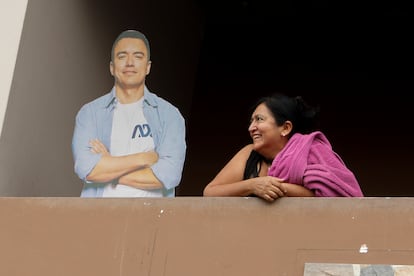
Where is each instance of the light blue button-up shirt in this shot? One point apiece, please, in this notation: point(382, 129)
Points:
point(94, 120)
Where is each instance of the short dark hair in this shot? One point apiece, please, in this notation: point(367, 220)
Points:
point(131, 34)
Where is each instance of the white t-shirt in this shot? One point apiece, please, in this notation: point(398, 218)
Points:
point(130, 134)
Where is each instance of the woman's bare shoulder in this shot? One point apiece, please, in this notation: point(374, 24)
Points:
point(246, 149)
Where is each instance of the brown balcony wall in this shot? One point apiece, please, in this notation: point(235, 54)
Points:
point(201, 236)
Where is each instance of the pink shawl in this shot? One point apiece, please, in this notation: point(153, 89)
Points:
point(309, 160)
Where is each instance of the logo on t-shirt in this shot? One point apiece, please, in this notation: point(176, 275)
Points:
point(141, 131)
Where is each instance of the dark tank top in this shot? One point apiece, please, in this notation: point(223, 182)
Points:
point(253, 165)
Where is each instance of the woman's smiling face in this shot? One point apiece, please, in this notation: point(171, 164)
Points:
point(265, 133)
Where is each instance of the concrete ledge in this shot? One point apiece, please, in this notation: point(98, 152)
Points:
point(200, 236)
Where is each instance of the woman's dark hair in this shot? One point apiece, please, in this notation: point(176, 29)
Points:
point(295, 109)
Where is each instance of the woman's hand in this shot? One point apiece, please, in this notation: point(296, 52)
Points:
point(269, 188)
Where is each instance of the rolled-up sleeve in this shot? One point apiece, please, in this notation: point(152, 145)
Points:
point(170, 145)
point(85, 130)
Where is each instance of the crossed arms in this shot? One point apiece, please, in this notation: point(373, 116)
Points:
point(131, 170)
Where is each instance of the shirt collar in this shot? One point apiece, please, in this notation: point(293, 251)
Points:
point(148, 98)
point(112, 100)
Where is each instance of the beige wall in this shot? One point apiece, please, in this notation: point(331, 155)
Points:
point(63, 62)
point(11, 24)
point(200, 236)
